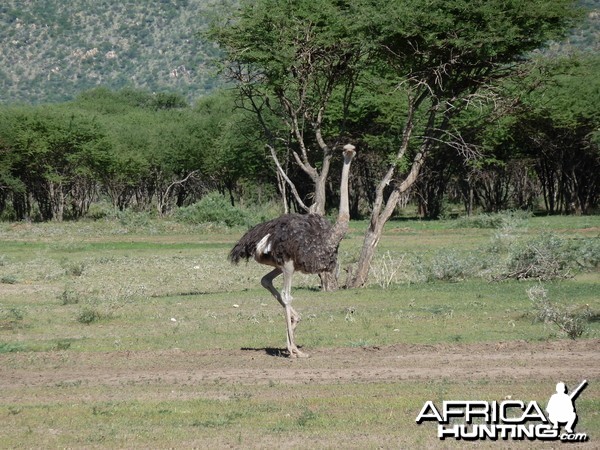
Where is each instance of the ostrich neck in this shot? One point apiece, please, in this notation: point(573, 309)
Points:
point(341, 225)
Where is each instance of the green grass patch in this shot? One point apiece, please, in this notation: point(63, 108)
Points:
point(239, 416)
point(109, 286)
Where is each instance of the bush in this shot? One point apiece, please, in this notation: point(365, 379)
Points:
point(73, 268)
point(69, 297)
point(88, 316)
point(496, 220)
point(387, 270)
point(138, 219)
point(548, 257)
point(62, 344)
point(445, 265)
point(543, 258)
point(585, 253)
point(510, 255)
point(573, 321)
point(101, 210)
point(450, 266)
point(12, 347)
point(11, 318)
point(8, 279)
point(212, 208)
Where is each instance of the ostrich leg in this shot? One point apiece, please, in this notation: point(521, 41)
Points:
point(267, 283)
point(291, 316)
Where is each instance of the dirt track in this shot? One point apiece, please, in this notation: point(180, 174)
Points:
point(556, 360)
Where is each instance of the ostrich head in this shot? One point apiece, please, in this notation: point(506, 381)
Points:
point(349, 152)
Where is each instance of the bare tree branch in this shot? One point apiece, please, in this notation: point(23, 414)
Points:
point(163, 198)
point(468, 151)
point(287, 179)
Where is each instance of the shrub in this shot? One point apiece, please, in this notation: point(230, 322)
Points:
point(11, 318)
point(212, 208)
point(445, 265)
point(12, 347)
point(495, 220)
point(74, 268)
point(585, 253)
point(478, 221)
point(450, 266)
point(571, 321)
point(88, 316)
point(307, 417)
point(101, 210)
point(62, 344)
point(130, 218)
point(387, 269)
point(8, 279)
point(510, 255)
point(545, 257)
point(69, 297)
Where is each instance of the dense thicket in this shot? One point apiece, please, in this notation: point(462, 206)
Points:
point(130, 148)
point(536, 147)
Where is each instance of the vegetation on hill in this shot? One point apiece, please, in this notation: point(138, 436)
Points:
point(53, 50)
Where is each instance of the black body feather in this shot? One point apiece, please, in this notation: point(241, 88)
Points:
point(303, 239)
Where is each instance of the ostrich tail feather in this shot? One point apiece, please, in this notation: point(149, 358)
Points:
point(248, 244)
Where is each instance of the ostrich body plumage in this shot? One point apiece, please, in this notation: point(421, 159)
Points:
point(302, 239)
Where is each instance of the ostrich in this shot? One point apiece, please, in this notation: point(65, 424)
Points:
point(307, 243)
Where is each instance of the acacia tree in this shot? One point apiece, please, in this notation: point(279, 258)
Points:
point(230, 139)
point(152, 146)
point(445, 55)
point(287, 60)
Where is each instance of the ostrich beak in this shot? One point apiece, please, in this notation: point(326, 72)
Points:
point(349, 151)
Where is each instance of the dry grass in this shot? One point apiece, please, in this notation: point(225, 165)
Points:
point(165, 286)
point(226, 415)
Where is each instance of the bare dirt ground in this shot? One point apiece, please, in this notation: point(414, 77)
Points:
point(518, 361)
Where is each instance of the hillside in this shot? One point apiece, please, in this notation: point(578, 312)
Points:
point(51, 50)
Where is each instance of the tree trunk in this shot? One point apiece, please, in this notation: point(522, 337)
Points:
point(367, 253)
point(329, 281)
point(281, 185)
point(320, 181)
point(57, 200)
point(82, 194)
point(379, 219)
point(378, 216)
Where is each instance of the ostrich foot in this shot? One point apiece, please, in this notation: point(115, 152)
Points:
point(296, 353)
